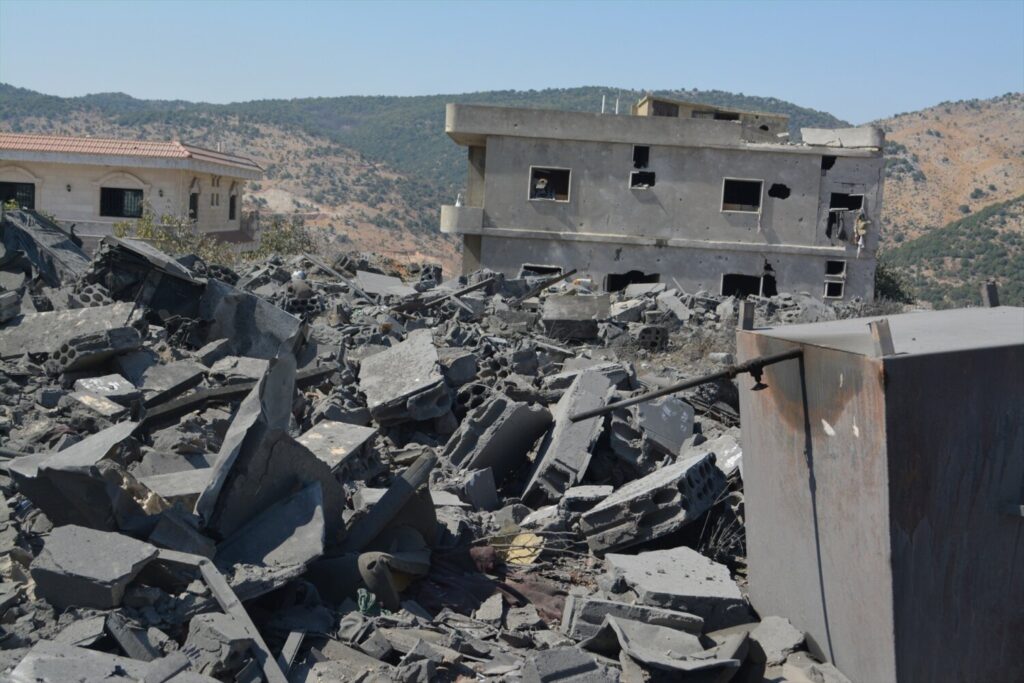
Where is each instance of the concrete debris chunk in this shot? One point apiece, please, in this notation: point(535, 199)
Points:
point(654, 646)
point(567, 665)
point(574, 317)
point(52, 662)
point(92, 349)
point(565, 453)
point(583, 617)
point(217, 645)
point(87, 568)
point(68, 485)
point(113, 387)
point(257, 442)
point(344, 448)
point(778, 639)
point(801, 667)
point(276, 546)
point(680, 579)
point(47, 332)
point(405, 383)
point(655, 505)
point(497, 435)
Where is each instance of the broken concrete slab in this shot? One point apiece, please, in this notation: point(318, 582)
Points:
point(67, 485)
point(574, 317)
point(181, 488)
point(459, 366)
point(666, 422)
point(52, 662)
point(217, 644)
point(177, 531)
point(405, 382)
point(583, 617)
point(680, 579)
point(344, 448)
point(51, 249)
point(276, 546)
point(639, 289)
point(255, 327)
point(98, 404)
point(257, 442)
point(565, 453)
point(87, 568)
point(47, 332)
point(654, 646)
point(236, 369)
point(213, 351)
point(566, 665)
point(668, 301)
point(654, 506)
point(113, 387)
point(778, 639)
point(161, 381)
point(497, 435)
point(382, 285)
point(801, 667)
point(92, 349)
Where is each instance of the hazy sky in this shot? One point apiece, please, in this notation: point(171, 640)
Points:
point(859, 61)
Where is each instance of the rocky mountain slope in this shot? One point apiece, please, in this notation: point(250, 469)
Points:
point(950, 160)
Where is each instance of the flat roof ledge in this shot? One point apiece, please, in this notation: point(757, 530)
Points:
point(470, 124)
point(859, 137)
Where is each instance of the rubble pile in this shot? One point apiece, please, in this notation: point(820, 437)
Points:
point(313, 471)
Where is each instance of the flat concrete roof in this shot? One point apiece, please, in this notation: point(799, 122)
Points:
point(471, 124)
point(918, 333)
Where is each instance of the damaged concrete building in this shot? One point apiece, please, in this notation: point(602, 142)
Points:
point(708, 199)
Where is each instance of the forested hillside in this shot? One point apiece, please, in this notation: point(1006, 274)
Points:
point(946, 266)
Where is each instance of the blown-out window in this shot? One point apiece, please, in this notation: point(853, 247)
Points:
point(549, 183)
point(741, 195)
point(120, 202)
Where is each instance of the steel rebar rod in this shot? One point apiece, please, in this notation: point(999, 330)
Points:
point(754, 366)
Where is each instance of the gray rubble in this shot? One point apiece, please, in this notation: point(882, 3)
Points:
point(367, 473)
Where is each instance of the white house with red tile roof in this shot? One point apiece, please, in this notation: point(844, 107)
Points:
point(95, 183)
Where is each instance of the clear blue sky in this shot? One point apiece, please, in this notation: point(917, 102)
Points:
point(859, 61)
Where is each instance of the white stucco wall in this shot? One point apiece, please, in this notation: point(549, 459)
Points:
point(164, 189)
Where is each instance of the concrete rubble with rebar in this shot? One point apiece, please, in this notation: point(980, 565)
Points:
point(384, 486)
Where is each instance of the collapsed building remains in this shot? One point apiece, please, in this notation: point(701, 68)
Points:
point(318, 471)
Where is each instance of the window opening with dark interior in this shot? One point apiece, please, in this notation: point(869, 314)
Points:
point(641, 180)
point(835, 267)
point(827, 162)
point(24, 194)
point(736, 284)
point(615, 282)
point(834, 290)
point(726, 116)
point(549, 183)
point(839, 203)
point(741, 195)
point(120, 202)
point(664, 108)
point(641, 156)
point(232, 206)
point(193, 206)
